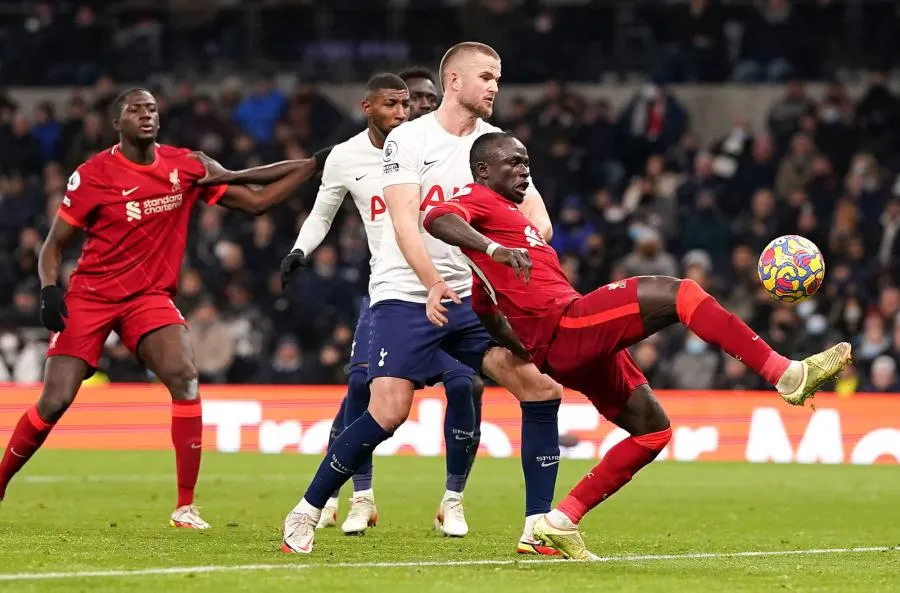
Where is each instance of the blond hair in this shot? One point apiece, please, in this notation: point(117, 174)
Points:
point(460, 49)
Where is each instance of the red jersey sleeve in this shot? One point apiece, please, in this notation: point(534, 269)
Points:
point(464, 204)
point(208, 193)
point(84, 193)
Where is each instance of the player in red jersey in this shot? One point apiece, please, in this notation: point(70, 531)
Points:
point(133, 202)
point(523, 297)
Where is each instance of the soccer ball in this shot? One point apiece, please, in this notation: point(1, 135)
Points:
point(791, 268)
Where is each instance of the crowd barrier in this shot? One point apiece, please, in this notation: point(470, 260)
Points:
point(707, 425)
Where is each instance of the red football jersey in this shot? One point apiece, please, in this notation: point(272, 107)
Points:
point(135, 220)
point(533, 309)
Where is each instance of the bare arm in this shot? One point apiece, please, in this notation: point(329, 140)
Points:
point(535, 210)
point(50, 259)
point(216, 174)
point(402, 202)
point(258, 201)
point(454, 230)
point(498, 326)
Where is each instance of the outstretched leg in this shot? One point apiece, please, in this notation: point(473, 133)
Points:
point(62, 378)
point(664, 300)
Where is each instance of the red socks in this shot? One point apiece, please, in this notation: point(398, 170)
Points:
point(615, 470)
point(29, 434)
point(187, 433)
point(713, 324)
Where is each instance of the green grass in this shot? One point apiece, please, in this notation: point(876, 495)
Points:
point(89, 511)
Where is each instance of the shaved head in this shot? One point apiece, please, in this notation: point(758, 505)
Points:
point(460, 53)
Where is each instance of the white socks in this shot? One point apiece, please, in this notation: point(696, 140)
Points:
point(367, 493)
point(791, 378)
point(305, 508)
point(557, 518)
point(530, 520)
point(451, 495)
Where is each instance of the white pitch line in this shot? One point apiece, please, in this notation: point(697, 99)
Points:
point(176, 570)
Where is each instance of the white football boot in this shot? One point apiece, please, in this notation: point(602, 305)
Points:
point(362, 515)
point(187, 517)
point(451, 518)
point(329, 514)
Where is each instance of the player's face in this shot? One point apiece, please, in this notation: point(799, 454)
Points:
point(139, 120)
point(479, 76)
point(507, 170)
point(386, 109)
point(423, 97)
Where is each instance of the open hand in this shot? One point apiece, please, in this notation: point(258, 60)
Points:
point(434, 309)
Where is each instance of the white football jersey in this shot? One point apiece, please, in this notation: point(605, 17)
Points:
point(424, 153)
point(353, 167)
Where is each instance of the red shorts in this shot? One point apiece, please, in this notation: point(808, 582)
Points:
point(90, 322)
point(588, 350)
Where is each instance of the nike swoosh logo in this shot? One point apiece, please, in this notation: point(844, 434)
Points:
point(196, 445)
point(361, 176)
point(128, 192)
point(464, 437)
point(754, 338)
point(340, 470)
point(13, 451)
point(429, 163)
point(548, 464)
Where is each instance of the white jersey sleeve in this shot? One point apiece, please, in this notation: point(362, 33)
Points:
point(402, 157)
point(422, 152)
point(331, 195)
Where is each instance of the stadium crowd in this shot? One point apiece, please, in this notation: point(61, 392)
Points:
point(631, 192)
point(74, 41)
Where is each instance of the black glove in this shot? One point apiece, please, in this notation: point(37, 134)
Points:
point(53, 308)
point(320, 157)
point(292, 262)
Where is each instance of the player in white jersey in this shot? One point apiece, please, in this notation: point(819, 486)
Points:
point(353, 168)
point(407, 287)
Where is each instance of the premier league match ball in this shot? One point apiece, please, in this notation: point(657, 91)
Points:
point(791, 268)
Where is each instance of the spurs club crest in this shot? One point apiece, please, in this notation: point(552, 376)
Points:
point(791, 268)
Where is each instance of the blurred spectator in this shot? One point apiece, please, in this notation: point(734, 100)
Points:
point(796, 167)
point(257, 114)
point(288, 366)
point(695, 365)
point(648, 258)
point(652, 122)
point(883, 377)
point(214, 344)
point(772, 44)
point(735, 376)
point(877, 115)
point(786, 113)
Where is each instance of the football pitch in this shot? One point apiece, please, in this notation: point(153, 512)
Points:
point(79, 521)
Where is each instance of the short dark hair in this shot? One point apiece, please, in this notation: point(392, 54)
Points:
point(417, 72)
point(385, 80)
point(120, 100)
point(482, 147)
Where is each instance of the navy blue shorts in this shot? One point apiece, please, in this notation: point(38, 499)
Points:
point(404, 344)
point(359, 352)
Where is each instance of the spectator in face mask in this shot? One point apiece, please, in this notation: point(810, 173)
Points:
point(695, 366)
